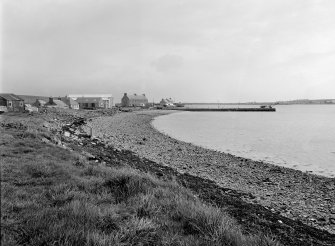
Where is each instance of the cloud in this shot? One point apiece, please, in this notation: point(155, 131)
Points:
point(207, 49)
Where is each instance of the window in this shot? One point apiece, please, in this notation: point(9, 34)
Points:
point(10, 104)
point(21, 103)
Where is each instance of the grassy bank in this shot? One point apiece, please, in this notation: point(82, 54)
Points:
point(54, 196)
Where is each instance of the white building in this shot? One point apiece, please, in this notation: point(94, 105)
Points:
point(167, 102)
point(92, 101)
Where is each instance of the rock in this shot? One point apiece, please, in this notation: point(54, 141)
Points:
point(67, 134)
point(56, 140)
point(46, 125)
point(44, 140)
point(88, 155)
point(266, 180)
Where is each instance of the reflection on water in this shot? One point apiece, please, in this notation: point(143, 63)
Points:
point(296, 136)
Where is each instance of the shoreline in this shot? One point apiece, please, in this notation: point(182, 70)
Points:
point(297, 164)
point(290, 193)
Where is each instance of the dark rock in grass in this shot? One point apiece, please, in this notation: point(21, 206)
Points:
point(44, 140)
point(159, 174)
point(88, 155)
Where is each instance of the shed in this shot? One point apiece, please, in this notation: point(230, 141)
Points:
point(12, 102)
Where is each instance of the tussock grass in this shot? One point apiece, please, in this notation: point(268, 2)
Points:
point(51, 196)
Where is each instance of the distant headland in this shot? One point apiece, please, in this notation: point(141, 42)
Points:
point(290, 102)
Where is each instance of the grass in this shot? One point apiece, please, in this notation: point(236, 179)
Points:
point(51, 196)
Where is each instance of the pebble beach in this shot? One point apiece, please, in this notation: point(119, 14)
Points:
point(293, 194)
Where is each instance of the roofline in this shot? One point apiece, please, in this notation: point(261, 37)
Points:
point(89, 95)
point(17, 98)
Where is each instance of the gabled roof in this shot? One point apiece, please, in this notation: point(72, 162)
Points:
point(10, 97)
point(73, 102)
point(32, 99)
point(69, 101)
point(60, 103)
point(57, 103)
point(137, 97)
point(167, 100)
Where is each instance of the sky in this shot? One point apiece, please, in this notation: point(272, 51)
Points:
point(191, 50)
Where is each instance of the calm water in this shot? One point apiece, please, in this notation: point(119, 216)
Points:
point(296, 136)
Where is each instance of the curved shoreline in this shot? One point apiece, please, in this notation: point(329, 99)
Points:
point(242, 144)
point(291, 193)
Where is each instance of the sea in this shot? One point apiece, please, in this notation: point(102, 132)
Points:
point(301, 137)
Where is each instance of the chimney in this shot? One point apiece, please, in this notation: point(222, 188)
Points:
point(51, 100)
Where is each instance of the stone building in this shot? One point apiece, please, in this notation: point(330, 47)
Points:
point(11, 102)
point(134, 100)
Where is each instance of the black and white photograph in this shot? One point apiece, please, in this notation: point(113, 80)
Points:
point(167, 122)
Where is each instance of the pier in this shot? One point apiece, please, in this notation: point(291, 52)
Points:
point(226, 109)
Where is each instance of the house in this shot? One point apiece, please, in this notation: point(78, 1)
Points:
point(93, 101)
point(70, 102)
point(134, 100)
point(55, 103)
point(167, 102)
point(90, 102)
point(39, 103)
point(11, 102)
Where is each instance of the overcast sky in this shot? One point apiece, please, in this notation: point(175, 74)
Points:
point(208, 50)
